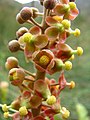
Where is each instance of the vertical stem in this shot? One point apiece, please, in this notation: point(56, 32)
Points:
point(40, 75)
point(44, 25)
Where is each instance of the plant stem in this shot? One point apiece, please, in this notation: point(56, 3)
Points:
point(38, 13)
point(35, 23)
point(27, 72)
point(44, 25)
point(28, 79)
point(40, 75)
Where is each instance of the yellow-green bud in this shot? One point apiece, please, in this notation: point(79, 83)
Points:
point(76, 32)
point(68, 65)
point(27, 37)
point(72, 5)
point(66, 23)
point(4, 108)
point(51, 100)
point(72, 57)
point(65, 113)
point(6, 114)
point(23, 111)
point(72, 84)
point(79, 51)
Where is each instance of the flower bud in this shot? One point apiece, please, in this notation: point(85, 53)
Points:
point(26, 13)
point(14, 46)
point(21, 31)
point(23, 111)
point(49, 4)
point(19, 19)
point(11, 62)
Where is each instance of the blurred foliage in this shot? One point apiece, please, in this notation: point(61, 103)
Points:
point(81, 65)
point(82, 112)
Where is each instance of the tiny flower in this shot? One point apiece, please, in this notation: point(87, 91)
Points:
point(42, 59)
point(56, 65)
point(77, 32)
point(23, 111)
point(5, 108)
point(67, 9)
point(64, 52)
point(41, 89)
point(58, 28)
point(14, 46)
point(16, 76)
point(72, 57)
point(51, 100)
point(65, 113)
point(79, 51)
point(11, 62)
point(68, 65)
point(6, 114)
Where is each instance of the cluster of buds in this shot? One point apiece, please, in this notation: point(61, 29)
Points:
point(45, 45)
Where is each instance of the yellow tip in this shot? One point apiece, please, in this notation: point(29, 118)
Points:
point(4, 108)
point(66, 23)
point(65, 113)
point(58, 18)
point(68, 65)
point(79, 51)
point(72, 5)
point(27, 37)
point(72, 84)
point(77, 32)
point(72, 57)
point(6, 114)
point(51, 100)
point(23, 111)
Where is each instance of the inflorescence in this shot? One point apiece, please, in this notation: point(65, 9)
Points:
point(45, 45)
